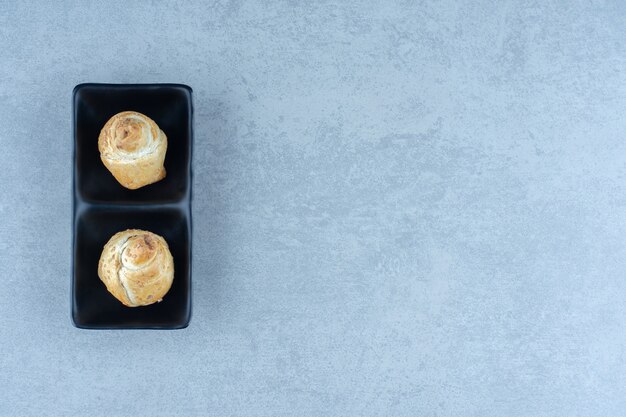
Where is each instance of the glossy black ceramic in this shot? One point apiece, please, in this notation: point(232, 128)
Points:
point(102, 207)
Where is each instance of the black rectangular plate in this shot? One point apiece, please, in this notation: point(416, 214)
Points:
point(102, 207)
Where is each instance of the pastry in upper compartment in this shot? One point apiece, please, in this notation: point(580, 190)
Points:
point(132, 147)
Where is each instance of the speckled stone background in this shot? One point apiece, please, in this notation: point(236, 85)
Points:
point(407, 209)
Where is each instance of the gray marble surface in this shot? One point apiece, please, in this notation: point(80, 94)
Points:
point(408, 209)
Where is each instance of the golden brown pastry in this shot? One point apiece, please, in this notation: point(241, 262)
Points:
point(132, 147)
point(137, 267)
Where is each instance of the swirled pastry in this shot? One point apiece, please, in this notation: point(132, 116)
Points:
point(137, 267)
point(133, 147)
